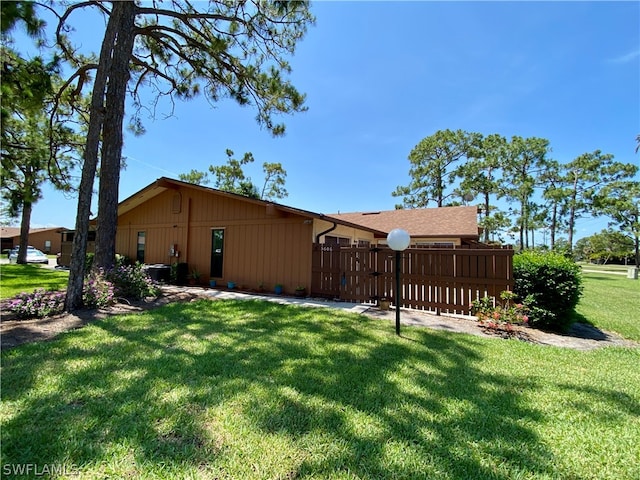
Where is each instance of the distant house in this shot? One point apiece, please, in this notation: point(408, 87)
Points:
point(229, 237)
point(435, 227)
point(46, 239)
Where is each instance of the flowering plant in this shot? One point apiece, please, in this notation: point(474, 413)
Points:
point(132, 282)
point(500, 315)
point(40, 303)
point(97, 292)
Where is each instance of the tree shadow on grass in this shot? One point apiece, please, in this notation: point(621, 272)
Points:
point(403, 398)
point(154, 394)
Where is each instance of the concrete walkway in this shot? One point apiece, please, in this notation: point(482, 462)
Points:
point(452, 323)
point(581, 337)
point(608, 272)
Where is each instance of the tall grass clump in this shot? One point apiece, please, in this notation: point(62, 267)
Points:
point(552, 285)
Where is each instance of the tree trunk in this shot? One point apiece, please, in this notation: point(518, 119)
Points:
point(533, 240)
point(554, 222)
point(572, 210)
point(572, 220)
point(486, 216)
point(27, 207)
point(523, 213)
point(89, 167)
point(125, 13)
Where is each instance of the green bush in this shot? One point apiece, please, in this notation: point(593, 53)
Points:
point(132, 282)
point(97, 291)
point(552, 285)
point(88, 262)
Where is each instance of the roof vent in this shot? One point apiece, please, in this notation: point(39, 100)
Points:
point(371, 213)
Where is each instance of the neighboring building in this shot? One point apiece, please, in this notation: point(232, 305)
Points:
point(46, 239)
point(435, 227)
point(7, 235)
point(64, 258)
point(230, 237)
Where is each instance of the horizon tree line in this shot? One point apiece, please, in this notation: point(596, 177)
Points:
point(451, 167)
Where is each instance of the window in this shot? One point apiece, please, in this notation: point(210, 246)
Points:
point(68, 236)
point(342, 241)
point(434, 244)
point(141, 247)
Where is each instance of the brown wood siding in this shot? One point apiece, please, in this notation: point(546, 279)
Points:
point(261, 245)
point(37, 239)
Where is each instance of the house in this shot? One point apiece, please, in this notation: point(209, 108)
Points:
point(434, 227)
point(230, 237)
point(46, 239)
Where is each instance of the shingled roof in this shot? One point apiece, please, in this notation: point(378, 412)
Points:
point(440, 222)
point(9, 232)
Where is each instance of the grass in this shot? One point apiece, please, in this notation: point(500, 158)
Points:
point(255, 390)
point(610, 302)
point(26, 278)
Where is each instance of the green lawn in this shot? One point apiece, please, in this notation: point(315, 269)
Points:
point(243, 390)
point(26, 278)
point(606, 267)
point(611, 302)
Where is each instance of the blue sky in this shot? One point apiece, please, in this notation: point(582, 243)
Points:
point(380, 76)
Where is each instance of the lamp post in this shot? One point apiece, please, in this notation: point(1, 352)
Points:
point(398, 239)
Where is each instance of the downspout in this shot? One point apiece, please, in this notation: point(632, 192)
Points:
point(330, 229)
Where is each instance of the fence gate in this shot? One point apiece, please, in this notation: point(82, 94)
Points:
point(360, 274)
point(435, 279)
point(325, 271)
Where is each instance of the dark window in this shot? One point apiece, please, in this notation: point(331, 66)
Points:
point(331, 240)
point(217, 252)
point(68, 236)
point(141, 247)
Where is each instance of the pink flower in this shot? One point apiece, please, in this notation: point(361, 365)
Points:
point(525, 319)
point(496, 315)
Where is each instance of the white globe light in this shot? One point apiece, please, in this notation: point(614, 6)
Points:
point(398, 239)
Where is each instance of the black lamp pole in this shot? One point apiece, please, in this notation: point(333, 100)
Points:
point(398, 293)
point(398, 240)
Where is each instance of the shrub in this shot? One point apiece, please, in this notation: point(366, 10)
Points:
point(132, 282)
point(88, 262)
point(40, 303)
point(98, 292)
point(500, 316)
point(122, 260)
point(552, 283)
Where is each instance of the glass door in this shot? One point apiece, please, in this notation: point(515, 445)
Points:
point(217, 252)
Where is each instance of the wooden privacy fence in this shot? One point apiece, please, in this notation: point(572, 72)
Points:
point(443, 280)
